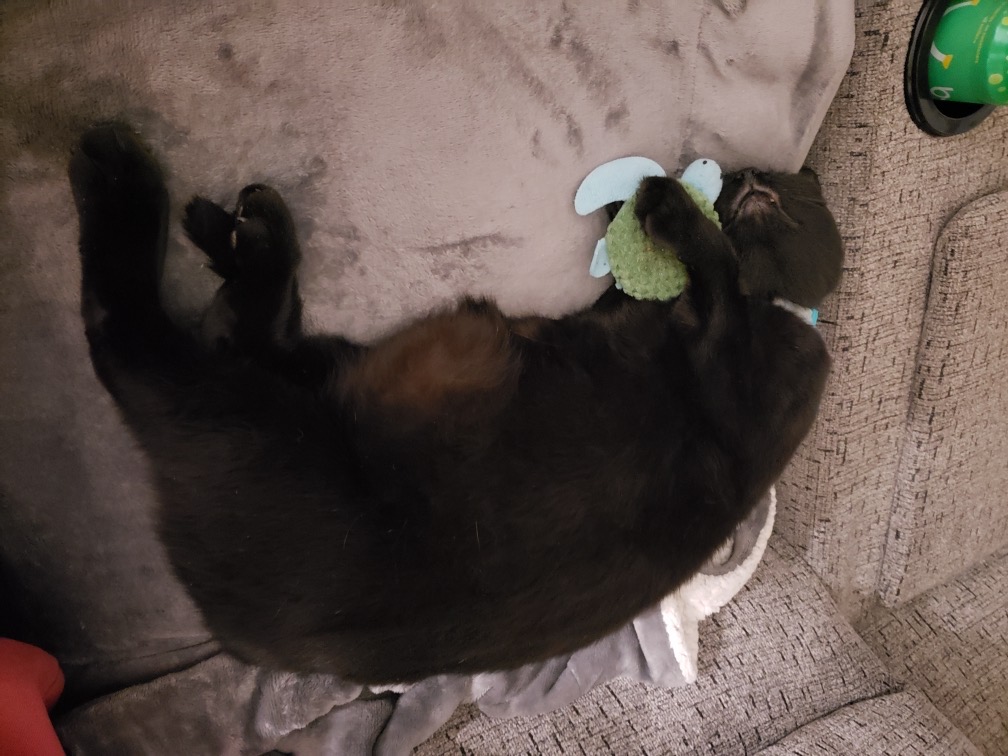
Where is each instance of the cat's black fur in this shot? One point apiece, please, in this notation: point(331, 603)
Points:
point(475, 491)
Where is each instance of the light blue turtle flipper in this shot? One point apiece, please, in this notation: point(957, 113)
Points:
point(705, 175)
point(614, 181)
point(600, 261)
point(617, 180)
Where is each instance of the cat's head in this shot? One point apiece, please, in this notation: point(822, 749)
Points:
point(786, 238)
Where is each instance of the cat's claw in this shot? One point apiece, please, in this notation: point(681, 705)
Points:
point(262, 237)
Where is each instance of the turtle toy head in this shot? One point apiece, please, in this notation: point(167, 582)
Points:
point(641, 268)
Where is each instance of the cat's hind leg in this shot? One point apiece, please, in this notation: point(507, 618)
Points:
point(122, 206)
point(257, 310)
point(255, 250)
point(209, 226)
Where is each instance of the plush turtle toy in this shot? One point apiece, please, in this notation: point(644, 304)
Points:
point(641, 268)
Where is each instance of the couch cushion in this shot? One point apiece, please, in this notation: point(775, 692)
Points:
point(952, 643)
point(900, 724)
point(951, 503)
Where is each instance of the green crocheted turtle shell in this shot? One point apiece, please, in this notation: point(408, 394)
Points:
point(642, 268)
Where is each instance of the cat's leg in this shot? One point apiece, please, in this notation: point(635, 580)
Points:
point(671, 218)
point(712, 313)
point(257, 310)
point(174, 393)
point(122, 206)
point(255, 250)
point(758, 371)
point(209, 226)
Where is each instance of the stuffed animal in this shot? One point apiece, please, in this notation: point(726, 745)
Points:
point(641, 268)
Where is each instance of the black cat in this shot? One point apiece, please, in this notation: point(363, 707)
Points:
point(473, 492)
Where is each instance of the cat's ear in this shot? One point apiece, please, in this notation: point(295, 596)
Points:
point(806, 171)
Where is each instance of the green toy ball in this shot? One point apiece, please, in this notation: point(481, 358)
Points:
point(643, 269)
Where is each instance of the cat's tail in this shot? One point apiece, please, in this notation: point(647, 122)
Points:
point(122, 205)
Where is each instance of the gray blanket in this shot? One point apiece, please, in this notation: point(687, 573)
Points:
point(427, 149)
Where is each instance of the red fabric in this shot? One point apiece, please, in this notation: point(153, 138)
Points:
point(30, 683)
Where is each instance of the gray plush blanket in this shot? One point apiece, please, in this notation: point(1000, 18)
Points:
point(428, 149)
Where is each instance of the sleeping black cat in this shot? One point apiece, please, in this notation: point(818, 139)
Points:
point(475, 491)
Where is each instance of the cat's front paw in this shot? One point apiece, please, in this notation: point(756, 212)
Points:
point(666, 212)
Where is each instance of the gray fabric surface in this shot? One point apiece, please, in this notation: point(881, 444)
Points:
point(951, 505)
point(952, 643)
point(427, 149)
point(220, 706)
point(776, 658)
point(898, 724)
point(893, 189)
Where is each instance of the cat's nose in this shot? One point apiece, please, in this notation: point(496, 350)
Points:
point(752, 178)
